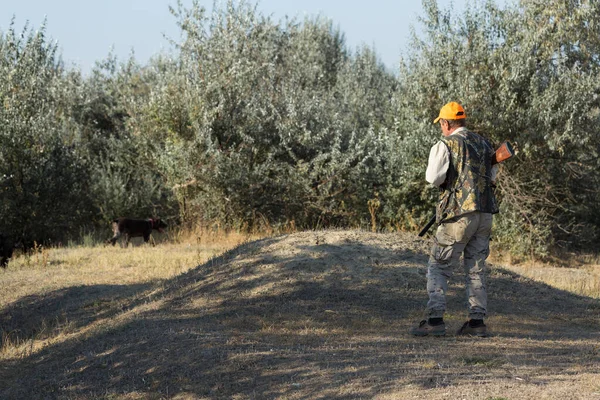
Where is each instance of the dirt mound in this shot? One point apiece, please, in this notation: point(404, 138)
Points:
point(317, 315)
point(311, 265)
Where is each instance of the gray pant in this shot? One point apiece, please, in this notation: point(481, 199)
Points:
point(470, 234)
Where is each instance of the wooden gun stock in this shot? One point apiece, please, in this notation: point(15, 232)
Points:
point(504, 152)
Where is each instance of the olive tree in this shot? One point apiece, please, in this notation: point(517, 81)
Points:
point(276, 119)
point(43, 177)
point(528, 74)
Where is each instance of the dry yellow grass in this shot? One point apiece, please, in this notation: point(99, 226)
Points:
point(576, 273)
point(56, 268)
point(61, 270)
point(311, 315)
point(583, 280)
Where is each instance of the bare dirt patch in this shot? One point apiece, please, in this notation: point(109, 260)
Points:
point(312, 315)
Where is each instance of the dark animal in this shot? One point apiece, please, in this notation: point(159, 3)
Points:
point(134, 228)
point(6, 250)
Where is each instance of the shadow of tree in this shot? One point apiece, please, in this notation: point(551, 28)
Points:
point(63, 311)
point(294, 319)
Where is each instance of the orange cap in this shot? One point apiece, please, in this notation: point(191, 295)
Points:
point(452, 110)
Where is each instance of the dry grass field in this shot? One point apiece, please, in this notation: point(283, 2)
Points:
point(311, 315)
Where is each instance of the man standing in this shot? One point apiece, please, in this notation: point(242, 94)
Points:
point(461, 165)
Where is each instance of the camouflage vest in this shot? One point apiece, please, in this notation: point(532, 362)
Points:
point(468, 185)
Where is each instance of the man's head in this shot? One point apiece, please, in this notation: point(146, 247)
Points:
point(452, 116)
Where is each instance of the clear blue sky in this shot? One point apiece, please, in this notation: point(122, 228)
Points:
point(86, 30)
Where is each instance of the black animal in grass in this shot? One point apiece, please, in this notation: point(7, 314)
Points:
point(6, 250)
point(129, 227)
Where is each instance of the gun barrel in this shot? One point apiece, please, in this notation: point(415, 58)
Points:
point(426, 227)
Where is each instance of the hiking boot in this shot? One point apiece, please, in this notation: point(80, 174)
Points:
point(425, 329)
point(468, 330)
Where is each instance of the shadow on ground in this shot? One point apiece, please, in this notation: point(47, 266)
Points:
point(290, 318)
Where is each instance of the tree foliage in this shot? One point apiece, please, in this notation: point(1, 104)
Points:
point(254, 122)
point(43, 179)
point(528, 74)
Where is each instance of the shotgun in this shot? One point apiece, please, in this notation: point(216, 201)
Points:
point(503, 153)
point(426, 227)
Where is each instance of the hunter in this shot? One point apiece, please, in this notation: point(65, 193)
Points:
point(461, 165)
